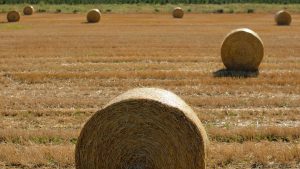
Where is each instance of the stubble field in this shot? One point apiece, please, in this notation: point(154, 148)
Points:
point(56, 71)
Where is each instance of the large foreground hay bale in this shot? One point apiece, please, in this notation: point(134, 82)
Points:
point(93, 16)
point(178, 12)
point(13, 16)
point(144, 128)
point(283, 18)
point(28, 10)
point(242, 50)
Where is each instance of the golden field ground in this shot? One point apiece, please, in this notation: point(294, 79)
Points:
point(56, 71)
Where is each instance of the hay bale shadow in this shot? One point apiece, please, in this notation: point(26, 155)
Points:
point(234, 73)
point(282, 25)
point(89, 23)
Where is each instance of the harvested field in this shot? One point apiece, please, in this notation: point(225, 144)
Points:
point(56, 71)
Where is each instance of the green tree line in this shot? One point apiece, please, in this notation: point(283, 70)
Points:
point(145, 1)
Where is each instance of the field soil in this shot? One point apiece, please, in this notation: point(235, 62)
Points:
point(56, 71)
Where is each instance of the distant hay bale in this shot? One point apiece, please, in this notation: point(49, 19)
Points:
point(94, 16)
point(178, 12)
point(219, 11)
point(13, 16)
point(28, 10)
point(250, 11)
point(242, 50)
point(58, 11)
point(283, 18)
point(141, 129)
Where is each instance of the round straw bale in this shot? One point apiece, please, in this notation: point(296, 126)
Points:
point(144, 128)
point(242, 50)
point(283, 18)
point(13, 16)
point(178, 12)
point(94, 16)
point(28, 10)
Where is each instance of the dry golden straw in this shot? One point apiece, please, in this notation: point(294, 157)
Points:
point(178, 12)
point(28, 10)
point(93, 16)
point(13, 16)
point(144, 128)
point(283, 18)
point(242, 50)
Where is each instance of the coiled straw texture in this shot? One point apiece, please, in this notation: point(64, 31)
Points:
point(178, 12)
point(93, 16)
point(28, 10)
point(13, 16)
point(144, 128)
point(283, 18)
point(242, 50)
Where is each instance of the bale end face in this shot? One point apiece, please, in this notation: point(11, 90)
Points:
point(13, 16)
point(143, 128)
point(283, 18)
point(94, 16)
point(28, 10)
point(242, 50)
point(178, 12)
